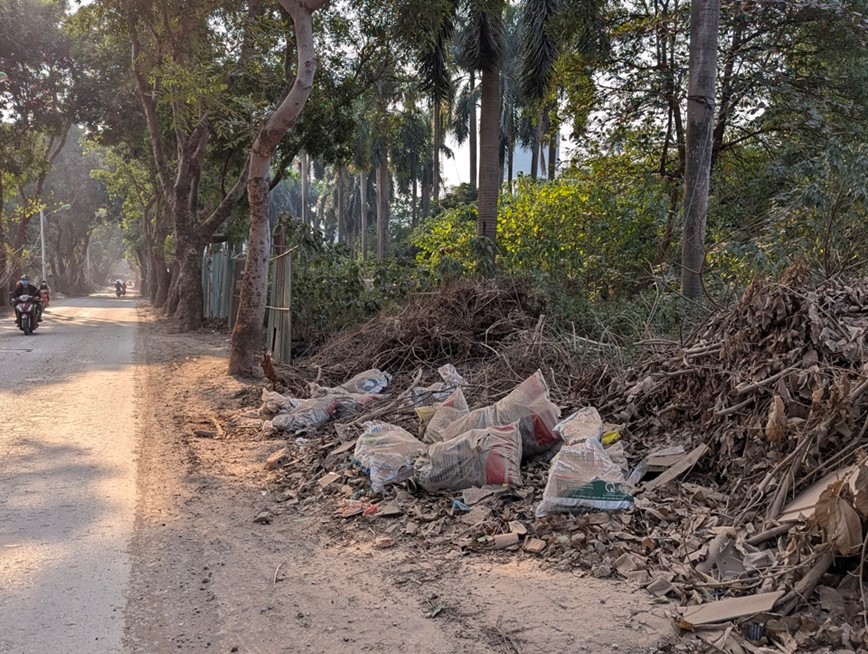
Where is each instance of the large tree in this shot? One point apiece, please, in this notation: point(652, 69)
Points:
point(248, 334)
point(38, 104)
point(704, 19)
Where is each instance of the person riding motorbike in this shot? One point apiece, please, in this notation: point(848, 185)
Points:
point(44, 292)
point(24, 287)
point(120, 288)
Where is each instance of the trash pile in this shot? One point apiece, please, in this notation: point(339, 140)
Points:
point(728, 479)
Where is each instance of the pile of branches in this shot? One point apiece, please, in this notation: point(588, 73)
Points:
point(461, 322)
point(776, 386)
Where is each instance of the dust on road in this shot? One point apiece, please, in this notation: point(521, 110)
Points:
point(67, 471)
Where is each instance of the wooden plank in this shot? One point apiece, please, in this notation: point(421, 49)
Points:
point(676, 470)
point(729, 609)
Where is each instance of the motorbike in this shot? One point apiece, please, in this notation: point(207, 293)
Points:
point(44, 297)
point(28, 308)
point(120, 290)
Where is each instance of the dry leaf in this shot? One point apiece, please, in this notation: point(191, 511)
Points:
point(861, 489)
point(840, 521)
point(777, 423)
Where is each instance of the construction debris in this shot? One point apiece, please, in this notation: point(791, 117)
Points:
point(741, 450)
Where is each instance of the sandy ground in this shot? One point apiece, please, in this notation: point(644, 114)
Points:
point(206, 578)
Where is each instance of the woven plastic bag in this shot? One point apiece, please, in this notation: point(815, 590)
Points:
point(368, 382)
point(454, 408)
point(274, 403)
point(529, 405)
point(386, 453)
point(584, 477)
point(491, 455)
point(582, 425)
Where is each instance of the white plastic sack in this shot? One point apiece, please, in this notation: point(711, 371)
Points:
point(365, 383)
point(274, 403)
point(454, 408)
point(583, 476)
point(529, 404)
point(370, 381)
point(479, 457)
point(387, 453)
point(438, 391)
point(582, 425)
point(311, 414)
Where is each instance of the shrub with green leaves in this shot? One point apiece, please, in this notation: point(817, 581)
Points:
point(596, 228)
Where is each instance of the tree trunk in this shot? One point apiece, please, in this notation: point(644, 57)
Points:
point(534, 155)
point(425, 207)
point(342, 223)
point(248, 335)
point(191, 298)
point(489, 142)
point(474, 167)
point(438, 137)
point(553, 154)
point(414, 212)
point(704, 17)
point(305, 207)
point(382, 209)
point(363, 213)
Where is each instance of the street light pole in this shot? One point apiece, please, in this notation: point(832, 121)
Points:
point(42, 241)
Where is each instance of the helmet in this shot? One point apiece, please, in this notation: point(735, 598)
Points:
point(25, 280)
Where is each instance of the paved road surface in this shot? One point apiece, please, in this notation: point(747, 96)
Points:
point(67, 477)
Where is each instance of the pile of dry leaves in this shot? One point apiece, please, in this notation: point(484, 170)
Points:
point(767, 399)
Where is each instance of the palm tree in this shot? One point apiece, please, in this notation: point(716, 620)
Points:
point(483, 45)
point(412, 141)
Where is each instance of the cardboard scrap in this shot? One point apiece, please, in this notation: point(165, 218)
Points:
point(803, 505)
point(277, 459)
point(676, 470)
point(502, 541)
point(728, 609)
point(534, 545)
point(476, 494)
point(346, 447)
point(664, 459)
point(329, 478)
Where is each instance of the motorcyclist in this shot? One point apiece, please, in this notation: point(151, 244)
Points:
point(43, 286)
point(24, 287)
point(119, 287)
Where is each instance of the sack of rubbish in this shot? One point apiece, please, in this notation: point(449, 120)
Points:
point(439, 391)
point(584, 424)
point(274, 403)
point(386, 453)
point(491, 455)
point(309, 415)
point(529, 404)
point(368, 382)
point(583, 476)
point(454, 408)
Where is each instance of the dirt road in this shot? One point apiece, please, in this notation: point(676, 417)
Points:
point(122, 531)
point(67, 477)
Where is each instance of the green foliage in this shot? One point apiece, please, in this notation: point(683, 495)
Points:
point(332, 290)
point(823, 214)
point(443, 241)
point(596, 228)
